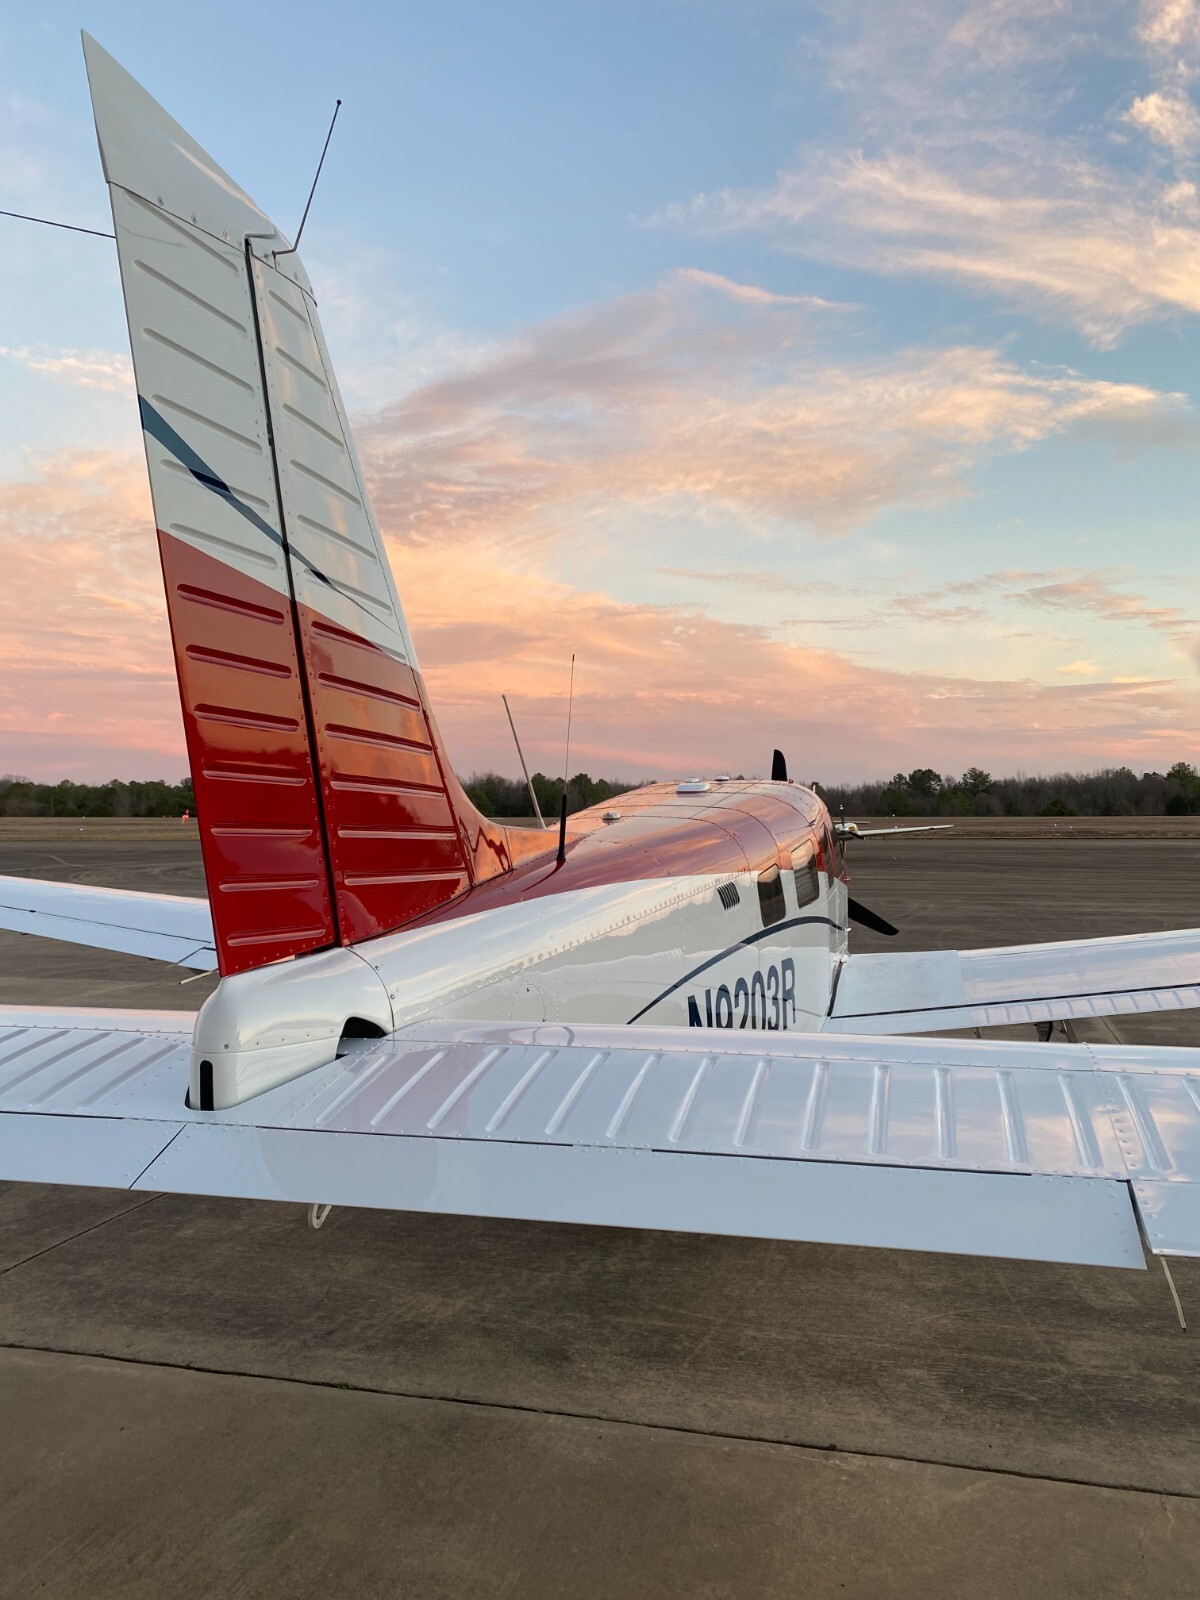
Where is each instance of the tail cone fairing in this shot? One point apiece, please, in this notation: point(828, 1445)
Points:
point(328, 811)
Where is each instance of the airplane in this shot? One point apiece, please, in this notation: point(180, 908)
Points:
point(648, 1016)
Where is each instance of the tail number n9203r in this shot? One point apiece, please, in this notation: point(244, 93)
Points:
point(766, 1000)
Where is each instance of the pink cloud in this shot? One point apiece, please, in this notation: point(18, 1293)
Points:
point(690, 396)
point(662, 690)
point(1038, 224)
point(87, 687)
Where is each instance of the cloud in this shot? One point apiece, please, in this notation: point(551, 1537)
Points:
point(87, 686)
point(1091, 593)
point(1094, 595)
point(751, 293)
point(977, 150)
point(938, 63)
point(81, 369)
point(1169, 118)
point(86, 676)
point(1083, 669)
point(669, 689)
point(688, 396)
point(1040, 226)
point(1170, 29)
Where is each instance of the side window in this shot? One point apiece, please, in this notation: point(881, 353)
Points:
point(770, 896)
point(831, 854)
point(804, 869)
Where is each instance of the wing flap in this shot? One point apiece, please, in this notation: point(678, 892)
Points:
point(927, 990)
point(956, 1145)
point(164, 927)
point(97, 1153)
point(1037, 1219)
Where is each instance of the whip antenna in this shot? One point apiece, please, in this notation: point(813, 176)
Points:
point(570, 703)
point(313, 190)
point(72, 227)
point(537, 810)
point(562, 815)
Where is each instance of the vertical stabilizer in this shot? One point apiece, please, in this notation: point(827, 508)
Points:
point(328, 811)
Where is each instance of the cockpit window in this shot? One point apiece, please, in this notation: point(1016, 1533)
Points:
point(804, 869)
point(770, 896)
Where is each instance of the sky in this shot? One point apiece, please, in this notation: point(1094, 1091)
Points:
point(821, 376)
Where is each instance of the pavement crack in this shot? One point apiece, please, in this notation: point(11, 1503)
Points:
point(680, 1429)
point(80, 1234)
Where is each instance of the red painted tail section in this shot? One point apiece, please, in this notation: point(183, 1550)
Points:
point(256, 798)
point(300, 855)
point(402, 836)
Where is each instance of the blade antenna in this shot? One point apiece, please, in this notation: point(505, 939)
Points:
point(277, 253)
point(537, 810)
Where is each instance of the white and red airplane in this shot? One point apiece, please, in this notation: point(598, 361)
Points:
point(651, 1020)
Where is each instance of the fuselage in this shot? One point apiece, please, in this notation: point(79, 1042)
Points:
point(716, 906)
point(720, 905)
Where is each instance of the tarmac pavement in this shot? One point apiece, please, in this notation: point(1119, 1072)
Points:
point(203, 1397)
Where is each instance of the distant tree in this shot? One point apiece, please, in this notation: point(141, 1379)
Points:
point(923, 783)
point(895, 800)
point(497, 796)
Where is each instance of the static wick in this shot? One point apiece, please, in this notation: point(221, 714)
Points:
point(71, 227)
point(1162, 1261)
point(313, 190)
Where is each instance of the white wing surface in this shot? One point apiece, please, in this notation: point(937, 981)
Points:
point(926, 990)
point(851, 830)
point(1040, 1152)
point(167, 927)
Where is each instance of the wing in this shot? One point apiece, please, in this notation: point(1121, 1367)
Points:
point(923, 991)
point(1042, 1152)
point(851, 830)
point(165, 926)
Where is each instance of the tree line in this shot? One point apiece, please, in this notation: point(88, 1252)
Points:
point(1112, 792)
point(509, 797)
point(495, 796)
point(154, 797)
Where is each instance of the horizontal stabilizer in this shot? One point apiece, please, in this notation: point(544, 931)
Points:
point(923, 991)
point(166, 927)
point(1042, 1152)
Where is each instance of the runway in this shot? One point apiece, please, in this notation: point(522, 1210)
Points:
point(205, 1397)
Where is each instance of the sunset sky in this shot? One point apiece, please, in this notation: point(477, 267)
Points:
point(823, 376)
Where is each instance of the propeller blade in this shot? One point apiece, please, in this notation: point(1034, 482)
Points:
point(778, 767)
point(867, 918)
